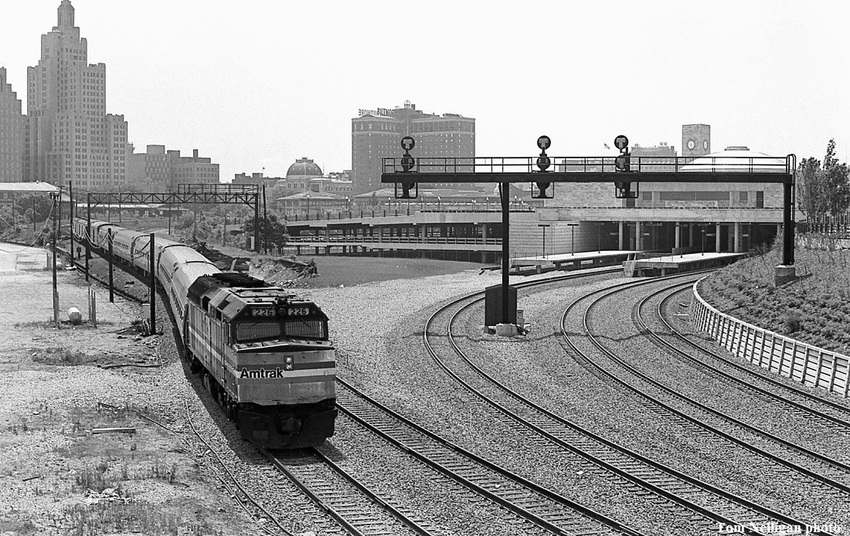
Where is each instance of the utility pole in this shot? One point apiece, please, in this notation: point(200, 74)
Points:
point(71, 215)
point(55, 285)
point(265, 224)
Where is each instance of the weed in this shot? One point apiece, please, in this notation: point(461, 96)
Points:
point(792, 322)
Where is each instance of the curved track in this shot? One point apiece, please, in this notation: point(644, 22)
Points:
point(701, 503)
point(828, 413)
point(533, 503)
point(795, 458)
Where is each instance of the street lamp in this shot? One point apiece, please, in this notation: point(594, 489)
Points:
point(702, 253)
point(308, 206)
point(572, 227)
point(439, 204)
point(543, 226)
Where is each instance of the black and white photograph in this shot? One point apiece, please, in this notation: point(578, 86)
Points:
point(424, 268)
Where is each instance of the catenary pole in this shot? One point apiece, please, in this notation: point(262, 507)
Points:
point(152, 252)
point(506, 263)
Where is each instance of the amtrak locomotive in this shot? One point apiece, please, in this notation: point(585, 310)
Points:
point(263, 353)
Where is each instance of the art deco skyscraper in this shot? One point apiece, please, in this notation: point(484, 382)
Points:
point(69, 134)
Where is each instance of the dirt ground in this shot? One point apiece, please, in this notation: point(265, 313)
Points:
point(60, 386)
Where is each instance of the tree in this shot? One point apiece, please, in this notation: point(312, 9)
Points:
point(809, 188)
point(43, 205)
point(274, 231)
point(823, 189)
point(836, 180)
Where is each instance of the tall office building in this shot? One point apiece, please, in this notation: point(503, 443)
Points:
point(69, 135)
point(11, 133)
point(163, 170)
point(376, 134)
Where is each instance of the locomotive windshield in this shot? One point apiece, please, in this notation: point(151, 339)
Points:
point(257, 330)
point(263, 330)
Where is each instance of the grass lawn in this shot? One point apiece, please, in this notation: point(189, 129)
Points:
point(814, 309)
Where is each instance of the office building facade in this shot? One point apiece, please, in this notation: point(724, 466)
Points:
point(69, 135)
point(11, 133)
point(161, 170)
point(376, 134)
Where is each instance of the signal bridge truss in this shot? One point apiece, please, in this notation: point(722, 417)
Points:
point(247, 194)
point(689, 169)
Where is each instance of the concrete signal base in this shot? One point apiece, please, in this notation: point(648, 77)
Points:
point(784, 274)
point(507, 330)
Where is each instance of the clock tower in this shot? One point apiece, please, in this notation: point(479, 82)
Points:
point(696, 140)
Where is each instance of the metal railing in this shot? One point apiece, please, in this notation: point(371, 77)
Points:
point(397, 239)
point(596, 164)
point(294, 216)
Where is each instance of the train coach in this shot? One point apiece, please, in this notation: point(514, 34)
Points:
point(263, 353)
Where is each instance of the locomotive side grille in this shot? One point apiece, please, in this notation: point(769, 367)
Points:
point(305, 329)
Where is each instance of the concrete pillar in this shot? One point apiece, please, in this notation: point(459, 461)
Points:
point(737, 237)
point(717, 238)
point(677, 242)
point(484, 231)
point(638, 236)
point(621, 237)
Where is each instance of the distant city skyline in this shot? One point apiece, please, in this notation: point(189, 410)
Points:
point(259, 87)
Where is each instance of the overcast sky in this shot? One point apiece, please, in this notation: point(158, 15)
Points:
point(258, 83)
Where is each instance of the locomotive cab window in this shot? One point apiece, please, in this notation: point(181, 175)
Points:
point(257, 330)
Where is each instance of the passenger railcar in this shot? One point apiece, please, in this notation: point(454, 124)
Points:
point(263, 353)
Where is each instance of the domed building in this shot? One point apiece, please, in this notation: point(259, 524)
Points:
point(306, 189)
point(300, 173)
point(303, 167)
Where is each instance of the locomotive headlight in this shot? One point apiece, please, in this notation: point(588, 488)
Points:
point(288, 365)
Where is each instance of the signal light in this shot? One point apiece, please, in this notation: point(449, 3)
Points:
point(540, 192)
point(543, 162)
point(407, 165)
point(622, 164)
point(406, 187)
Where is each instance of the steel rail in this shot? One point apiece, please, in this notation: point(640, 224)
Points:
point(718, 414)
point(612, 467)
point(744, 369)
point(511, 477)
point(239, 486)
point(681, 414)
point(334, 505)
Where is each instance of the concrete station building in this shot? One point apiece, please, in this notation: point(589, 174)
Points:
point(581, 217)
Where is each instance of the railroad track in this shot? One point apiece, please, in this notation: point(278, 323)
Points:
point(531, 502)
point(828, 413)
point(358, 510)
point(251, 504)
point(700, 503)
point(830, 473)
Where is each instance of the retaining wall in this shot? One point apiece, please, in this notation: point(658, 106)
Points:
point(799, 361)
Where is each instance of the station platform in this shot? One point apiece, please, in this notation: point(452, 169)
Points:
point(570, 261)
point(670, 264)
point(15, 258)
